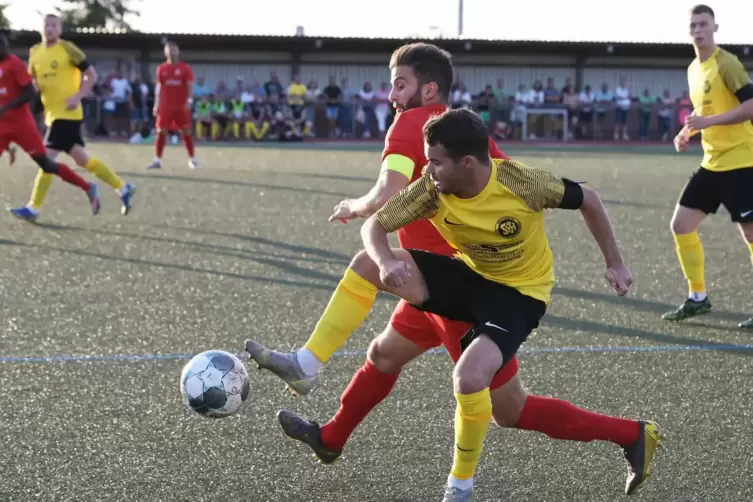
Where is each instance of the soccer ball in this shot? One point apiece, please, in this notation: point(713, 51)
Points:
point(214, 384)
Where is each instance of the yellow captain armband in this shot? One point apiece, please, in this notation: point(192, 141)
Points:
point(399, 163)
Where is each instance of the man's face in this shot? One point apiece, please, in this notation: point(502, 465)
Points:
point(448, 175)
point(52, 28)
point(406, 90)
point(172, 52)
point(702, 29)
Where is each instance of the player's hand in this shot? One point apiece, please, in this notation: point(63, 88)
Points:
point(697, 122)
point(620, 278)
point(681, 141)
point(344, 211)
point(395, 273)
point(72, 102)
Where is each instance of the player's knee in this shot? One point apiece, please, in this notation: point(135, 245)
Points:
point(363, 265)
point(46, 164)
point(467, 379)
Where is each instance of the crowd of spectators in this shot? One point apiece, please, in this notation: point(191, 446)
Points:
point(273, 110)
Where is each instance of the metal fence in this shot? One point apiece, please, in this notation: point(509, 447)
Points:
point(507, 121)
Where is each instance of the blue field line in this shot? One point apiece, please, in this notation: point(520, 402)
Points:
point(362, 353)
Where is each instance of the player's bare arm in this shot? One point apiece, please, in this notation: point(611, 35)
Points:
point(157, 88)
point(419, 200)
point(387, 185)
point(26, 96)
point(598, 222)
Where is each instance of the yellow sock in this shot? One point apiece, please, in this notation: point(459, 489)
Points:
point(345, 312)
point(690, 253)
point(750, 245)
point(236, 130)
point(472, 417)
point(101, 171)
point(41, 187)
point(215, 131)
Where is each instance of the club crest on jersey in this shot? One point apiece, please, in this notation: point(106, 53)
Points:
point(53, 65)
point(508, 227)
point(706, 87)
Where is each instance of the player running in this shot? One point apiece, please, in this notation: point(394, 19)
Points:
point(421, 78)
point(172, 105)
point(17, 124)
point(57, 66)
point(722, 96)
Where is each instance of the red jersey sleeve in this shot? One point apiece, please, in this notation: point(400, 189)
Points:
point(404, 138)
point(495, 152)
point(19, 71)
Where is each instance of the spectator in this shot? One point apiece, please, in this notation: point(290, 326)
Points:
point(333, 95)
point(273, 87)
point(366, 96)
point(647, 102)
point(200, 89)
point(484, 103)
point(552, 99)
point(382, 107)
point(259, 91)
point(570, 102)
point(684, 109)
point(604, 98)
point(522, 99)
point(664, 115)
point(120, 94)
point(312, 91)
point(461, 98)
point(140, 115)
point(623, 101)
point(345, 120)
point(586, 101)
point(500, 92)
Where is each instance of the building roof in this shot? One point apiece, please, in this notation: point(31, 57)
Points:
point(108, 39)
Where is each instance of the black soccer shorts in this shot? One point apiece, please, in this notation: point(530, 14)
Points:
point(706, 190)
point(63, 135)
point(456, 292)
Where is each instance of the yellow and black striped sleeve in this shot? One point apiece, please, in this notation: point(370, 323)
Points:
point(735, 77)
point(418, 200)
point(76, 56)
point(538, 188)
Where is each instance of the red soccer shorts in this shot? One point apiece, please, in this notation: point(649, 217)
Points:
point(174, 120)
point(24, 133)
point(430, 330)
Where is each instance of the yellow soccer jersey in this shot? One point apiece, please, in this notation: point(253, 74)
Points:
point(57, 72)
point(500, 232)
point(714, 85)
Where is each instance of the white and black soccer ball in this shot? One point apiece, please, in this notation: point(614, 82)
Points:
point(214, 384)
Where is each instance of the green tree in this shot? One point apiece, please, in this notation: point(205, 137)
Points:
point(4, 22)
point(109, 14)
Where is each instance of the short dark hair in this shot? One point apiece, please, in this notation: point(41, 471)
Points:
point(702, 9)
point(461, 132)
point(428, 62)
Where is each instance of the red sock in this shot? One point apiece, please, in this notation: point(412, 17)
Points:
point(188, 141)
point(69, 176)
point(367, 389)
point(562, 420)
point(159, 145)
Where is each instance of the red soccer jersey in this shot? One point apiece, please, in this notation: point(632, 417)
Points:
point(406, 138)
point(175, 81)
point(13, 79)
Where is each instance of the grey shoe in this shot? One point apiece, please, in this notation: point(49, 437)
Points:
point(307, 432)
point(452, 494)
point(284, 365)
